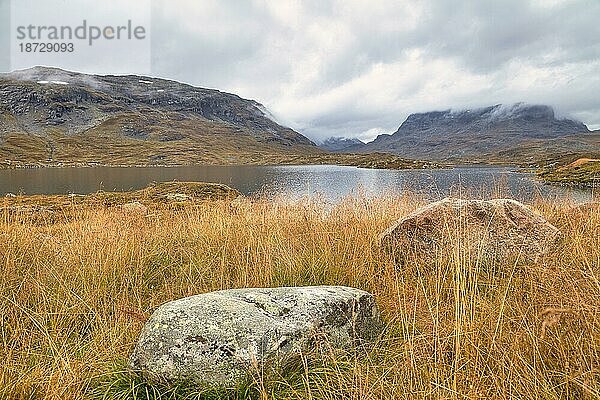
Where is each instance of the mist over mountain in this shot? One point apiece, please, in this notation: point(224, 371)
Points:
point(52, 115)
point(480, 133)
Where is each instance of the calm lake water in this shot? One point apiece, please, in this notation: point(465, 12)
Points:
point(330, 182)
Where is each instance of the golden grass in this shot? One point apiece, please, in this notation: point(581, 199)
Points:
point(74, 294)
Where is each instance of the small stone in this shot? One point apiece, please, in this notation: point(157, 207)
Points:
point(134, 207)
point(177, 197)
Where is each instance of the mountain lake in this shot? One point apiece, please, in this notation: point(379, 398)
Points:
point(327, 182)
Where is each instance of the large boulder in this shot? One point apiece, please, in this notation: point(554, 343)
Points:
point(218, 338)
point(489, 230)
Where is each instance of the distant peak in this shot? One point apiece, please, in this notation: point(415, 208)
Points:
point(334, 139)
point(507, 111)
point(38, 70)
point(337, 143)
point(532, 120)
point(489, 114)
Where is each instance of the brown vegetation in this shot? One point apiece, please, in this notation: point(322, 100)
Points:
point(75, 291)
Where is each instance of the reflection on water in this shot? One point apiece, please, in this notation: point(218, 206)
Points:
point(330, 182)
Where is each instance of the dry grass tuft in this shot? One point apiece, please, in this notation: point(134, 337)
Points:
point(75, 292)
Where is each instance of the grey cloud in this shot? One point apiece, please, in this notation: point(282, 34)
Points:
point(486, 34)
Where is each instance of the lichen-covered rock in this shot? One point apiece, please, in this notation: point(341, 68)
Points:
point(134, 207)
point(177, 197)
point(217, 338)
point(484, 229)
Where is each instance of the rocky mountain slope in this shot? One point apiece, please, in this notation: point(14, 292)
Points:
point(51, 116)
point(503, 133)
point(340, 143)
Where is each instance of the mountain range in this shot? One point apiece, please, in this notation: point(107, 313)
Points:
point(501, 133)
point(49, 116)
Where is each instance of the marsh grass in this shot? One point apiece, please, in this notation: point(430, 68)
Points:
point(75, 292)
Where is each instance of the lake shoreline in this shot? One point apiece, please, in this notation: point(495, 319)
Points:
point(330, 182)
point(366, 160)
point(433, 165)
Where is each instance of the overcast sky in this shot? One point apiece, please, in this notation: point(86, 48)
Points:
point(357, 68)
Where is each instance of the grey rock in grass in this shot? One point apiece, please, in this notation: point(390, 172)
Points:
point(134, 207)
point(177, 197)
point(487, 230)
point(217, 339)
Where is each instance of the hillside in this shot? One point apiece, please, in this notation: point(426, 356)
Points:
point(51, 116)
point(584, 172)
point(340, 143)
point(518, 133)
